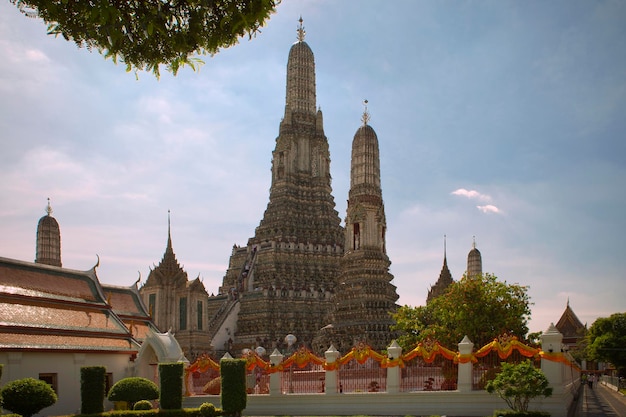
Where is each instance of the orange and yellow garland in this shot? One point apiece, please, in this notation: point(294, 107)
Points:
point(427, 350)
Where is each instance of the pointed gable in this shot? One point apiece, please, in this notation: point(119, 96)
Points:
point(569, 325)
point(168, 272)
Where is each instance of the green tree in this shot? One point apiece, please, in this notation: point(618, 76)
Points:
point(146, 34)
point(518, 383)
point(27, 396)
point(133, 389)
point(606, 340)
point(480, 307)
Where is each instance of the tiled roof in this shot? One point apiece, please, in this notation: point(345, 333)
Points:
point(57, 316)
point(45, 307)
point(124, 301)
point(38, 280)
point(65, 342)
point(140, 329)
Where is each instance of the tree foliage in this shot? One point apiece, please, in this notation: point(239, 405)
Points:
point(481, 308)
point(518, 383)
point(146, 34)
point(27, 396)
point(606, 340)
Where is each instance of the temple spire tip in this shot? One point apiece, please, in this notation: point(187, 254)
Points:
point(301, 31)
point(365, 118)
point(49, 208)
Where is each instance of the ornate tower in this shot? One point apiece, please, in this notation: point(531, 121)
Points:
point(445, 278)
point(365, 297)
point(283, 278)
point(177, 304)
point(48, 240)
point(474, 262)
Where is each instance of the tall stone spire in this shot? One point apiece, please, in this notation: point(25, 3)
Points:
point(300, 78)
point(282, 279)
point(366, 296)
point(48, 240)
point(474, 262)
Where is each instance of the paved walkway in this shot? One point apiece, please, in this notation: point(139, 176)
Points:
point(601, 402)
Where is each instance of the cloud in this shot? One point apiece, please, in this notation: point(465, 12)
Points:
point(489, 208)
point(473, 194)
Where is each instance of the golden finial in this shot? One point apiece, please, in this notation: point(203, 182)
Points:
point(301, 31)
point(49, 208)
point(366, 116)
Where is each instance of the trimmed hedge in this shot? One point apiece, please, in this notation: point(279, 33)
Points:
point(92, 387)
point(27, 396)
point(171, 377)
point(209, 410)
point(142, 405)
point(511, 413)
point(234, 396)
point(184, 412)
point(133, 389)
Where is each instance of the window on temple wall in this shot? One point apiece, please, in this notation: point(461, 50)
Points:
point(152, 305)
point(280, 172)
point(183, 313)
point(108, 382)
point(383, 236)
point(200, 309)
point(356, 236)
point(50, 379)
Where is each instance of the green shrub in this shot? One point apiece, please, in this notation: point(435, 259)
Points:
point(27, 396)
point(234, 397)
point(208, 410)
point(511, 413)
point(143, 405)
point(133, 389)
point(185, 412)
point(171, 376)
point(92, 386)
point(518, 383)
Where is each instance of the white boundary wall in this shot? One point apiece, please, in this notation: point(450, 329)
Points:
point(462, 402)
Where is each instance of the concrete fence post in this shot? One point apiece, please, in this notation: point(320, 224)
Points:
point(275, 359)
point(465, 372)
point(394, 376)
point(551, 345)
point(330, 376)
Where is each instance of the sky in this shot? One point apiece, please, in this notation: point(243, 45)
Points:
point(498, 121)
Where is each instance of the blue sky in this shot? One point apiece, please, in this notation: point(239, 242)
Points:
point(502, 120)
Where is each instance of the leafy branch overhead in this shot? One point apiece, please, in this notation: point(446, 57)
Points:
point(147, 34)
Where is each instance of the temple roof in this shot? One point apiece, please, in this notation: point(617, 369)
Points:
point(569, 325)
point(40, 280)
point(128, 305)
point(44, 307)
